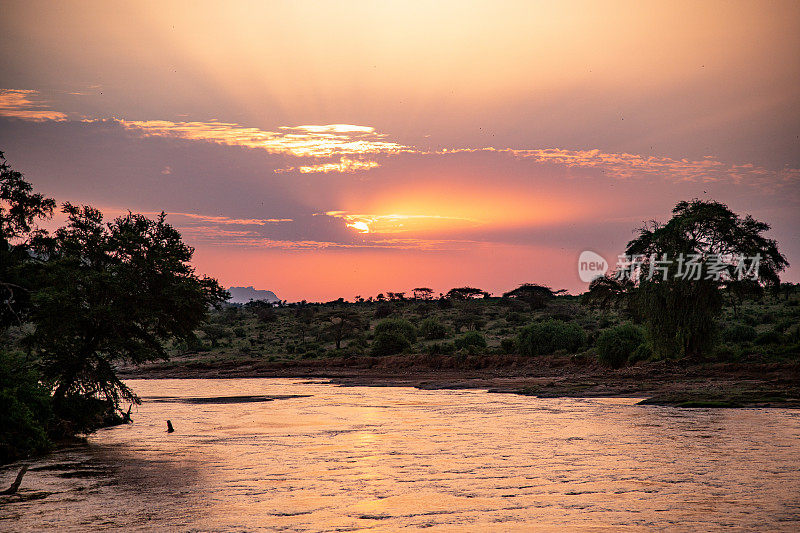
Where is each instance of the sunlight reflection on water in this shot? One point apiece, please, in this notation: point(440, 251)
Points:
point(387, 458)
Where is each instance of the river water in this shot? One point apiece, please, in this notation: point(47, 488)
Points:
point(332, 458)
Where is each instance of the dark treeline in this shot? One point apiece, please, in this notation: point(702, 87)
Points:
point(77, 301)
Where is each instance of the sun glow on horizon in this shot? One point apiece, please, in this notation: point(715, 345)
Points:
point(360, 225)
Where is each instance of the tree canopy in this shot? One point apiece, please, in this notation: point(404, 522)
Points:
point(682, 266)
point(536, 296)
point(91, 295)
point(466, 293)
point(112, 292)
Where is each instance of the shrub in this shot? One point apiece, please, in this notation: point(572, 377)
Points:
point(266, 314)
point(616, 345)
point(768, 317)
point(389, 343)
point(471, 341)
point(515, 318)
point(727, 352)
point(383, 310)
point(771, 336)
point(402, 327)
point(431, 329)
point(359, 341)
point(508, 345)
point(642, 353)
point(793, 334)
point(24, 411)
point(739, 333)
point(546, 337)
point(444, 348)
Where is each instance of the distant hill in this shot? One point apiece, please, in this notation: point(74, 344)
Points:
point(242, 295)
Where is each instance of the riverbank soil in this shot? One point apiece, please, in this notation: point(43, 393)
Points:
point(678, 383)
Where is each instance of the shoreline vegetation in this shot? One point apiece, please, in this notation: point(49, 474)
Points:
point(475, 343)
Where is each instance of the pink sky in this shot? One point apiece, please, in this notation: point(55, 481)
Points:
point(324, 150)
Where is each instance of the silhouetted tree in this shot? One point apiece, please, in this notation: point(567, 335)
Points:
point(112, 292)
point(465, 293)
point(20, 207)
point(679, 310)
point(304, 315)
point(423, 293)
point(739, 290)
point(536, 296)
point(264, 311)
point(787, 289)
point(342, 323)
point(608, 292)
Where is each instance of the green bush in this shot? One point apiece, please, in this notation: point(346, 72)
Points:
point(616, 345)
point(515, 318)
point(768, 317)
point(508, 345)
point(444, 348)
point(402, 327)
point(431, 329)
point(383, 310)
point(772, 336)
point(471, 341)
point(25, 411)
point(542, 338)
point(389, 343)
point(727, 352)
point(643, 352)
point(739, 333)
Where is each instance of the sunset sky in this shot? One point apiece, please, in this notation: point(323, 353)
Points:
point(327, 149)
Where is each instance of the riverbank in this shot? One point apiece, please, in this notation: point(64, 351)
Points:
point(677, 383)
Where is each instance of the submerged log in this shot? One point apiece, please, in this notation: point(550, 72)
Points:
point(14, 486)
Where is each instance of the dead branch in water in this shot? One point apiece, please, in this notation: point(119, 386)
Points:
point(14, 486)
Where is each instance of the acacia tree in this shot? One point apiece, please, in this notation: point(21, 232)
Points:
point(679, 310)
point(106, 293)
point(341, 323)
point(608, 292)
point(466, 293)
point(536, 296)
point(423, 293)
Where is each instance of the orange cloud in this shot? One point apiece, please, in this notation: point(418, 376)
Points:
point(354, 144)
point(231, 221)
point(631, 166)
point(300, 141)
point(345, 164)
point(20, 103)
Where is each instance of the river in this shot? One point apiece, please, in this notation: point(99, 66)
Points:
point(320, 457)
